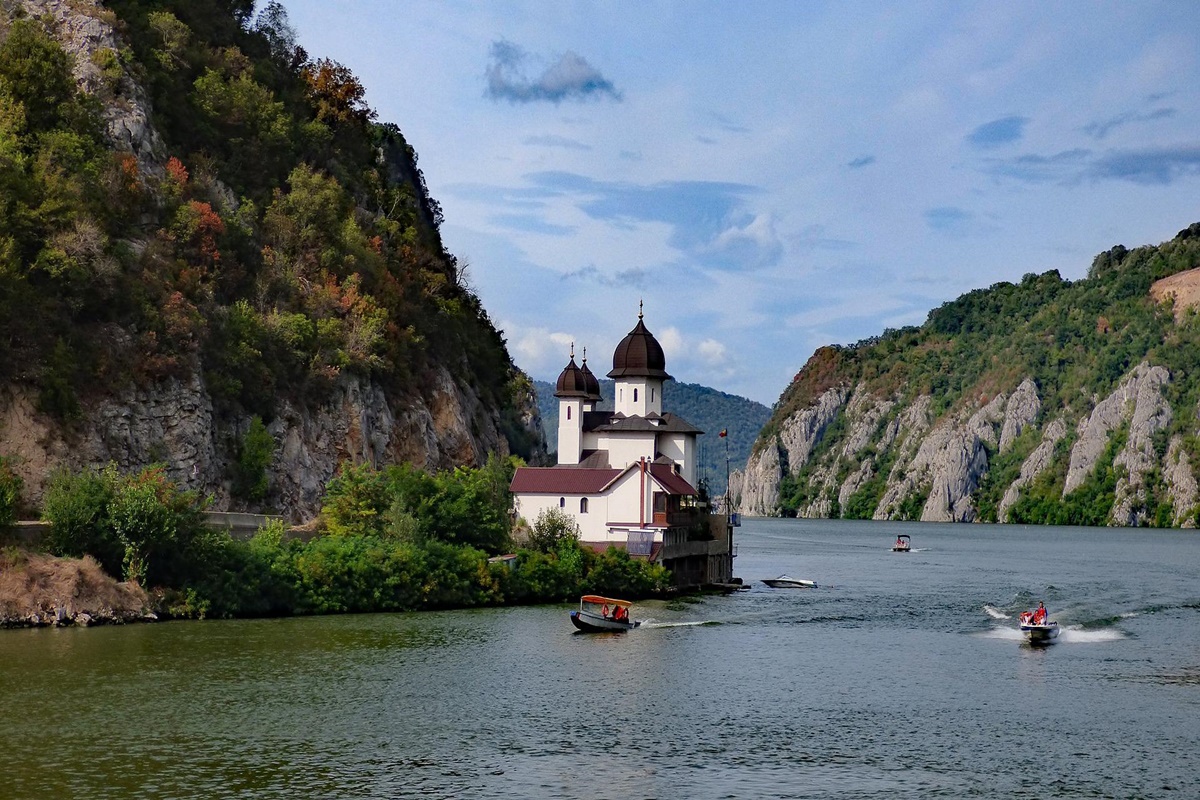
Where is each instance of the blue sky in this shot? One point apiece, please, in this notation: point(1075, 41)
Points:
point(771, 177)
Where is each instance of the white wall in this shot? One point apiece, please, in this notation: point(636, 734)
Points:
point(649, 396)
point(626, 448)
point(593, 526)
point(570, 431)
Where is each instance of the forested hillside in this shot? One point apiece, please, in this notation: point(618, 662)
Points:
point(1040, 401)
point(194, 211)
point(708, 409)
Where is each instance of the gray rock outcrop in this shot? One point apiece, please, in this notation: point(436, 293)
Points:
point(1109, 414)
point(1035, 464)
point(1181, 482)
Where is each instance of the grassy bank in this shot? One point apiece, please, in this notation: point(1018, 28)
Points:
point(396, 539)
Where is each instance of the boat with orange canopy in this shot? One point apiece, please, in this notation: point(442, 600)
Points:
point(597, 614)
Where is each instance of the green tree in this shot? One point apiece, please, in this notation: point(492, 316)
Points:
point(552, 527)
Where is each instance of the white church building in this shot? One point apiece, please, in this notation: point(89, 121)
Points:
point(628, 476)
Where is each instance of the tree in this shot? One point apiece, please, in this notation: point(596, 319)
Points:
point(552, 527)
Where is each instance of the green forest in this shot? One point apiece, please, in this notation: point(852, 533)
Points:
point(1075, 339)
point(285, 237)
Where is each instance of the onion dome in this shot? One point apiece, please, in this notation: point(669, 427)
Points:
point(572, 382)
point(639, 355)
point(591, 382)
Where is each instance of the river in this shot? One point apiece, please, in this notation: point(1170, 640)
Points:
point(900, 676)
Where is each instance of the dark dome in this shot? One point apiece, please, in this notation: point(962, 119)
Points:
point(639, 355)
point(572, 382)
point(590, 381)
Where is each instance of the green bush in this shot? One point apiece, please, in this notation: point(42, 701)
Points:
point(616, 574)
point(10, 493)
point(552, 526)
point(255, 454)
point(77, 507)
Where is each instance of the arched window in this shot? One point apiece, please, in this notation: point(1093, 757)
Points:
point(568, 412)
point(562, 502)
point(583, 505)
point(635, 395)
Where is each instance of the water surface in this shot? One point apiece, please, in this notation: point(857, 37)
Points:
point(902, 676)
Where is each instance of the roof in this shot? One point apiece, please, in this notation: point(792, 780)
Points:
point(561, 480)
point(671, 480)
point(597, 421)
point(597, 599)
point(639, 355)
point(571, 381)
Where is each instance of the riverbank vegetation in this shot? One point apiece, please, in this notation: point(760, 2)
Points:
point(1077, 340)
point(394, 539)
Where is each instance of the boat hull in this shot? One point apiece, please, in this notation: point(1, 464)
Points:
point(789, 583)
point(1040, 634)
point(595, 623)
point(901, 549)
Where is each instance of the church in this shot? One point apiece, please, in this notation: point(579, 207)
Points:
point(628, 476)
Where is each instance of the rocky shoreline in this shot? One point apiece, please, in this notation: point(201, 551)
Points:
point(38, 590)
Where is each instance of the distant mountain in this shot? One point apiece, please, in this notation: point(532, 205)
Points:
point(1040, 402)
point(709, 410)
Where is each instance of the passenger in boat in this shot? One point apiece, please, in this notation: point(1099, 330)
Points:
point(1039, 616)
point(604, 610)
point(618, 614)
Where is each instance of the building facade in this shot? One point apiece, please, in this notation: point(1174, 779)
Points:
point(628, 476)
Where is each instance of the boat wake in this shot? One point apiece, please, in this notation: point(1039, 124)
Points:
point(1010, 634)
point(652, 624)
point(994, 612)
point(1078, 634)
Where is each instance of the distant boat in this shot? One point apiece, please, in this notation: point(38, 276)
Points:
point(788, 582)
point(1043, 631)
point(902, 544)
point(598, 614)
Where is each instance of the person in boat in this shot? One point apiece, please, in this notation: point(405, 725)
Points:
point(620, 614)
point(604, 610)
point(1039, 616)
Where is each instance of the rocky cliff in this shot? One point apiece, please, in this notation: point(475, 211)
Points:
point(1041, 402)
point(436, 410)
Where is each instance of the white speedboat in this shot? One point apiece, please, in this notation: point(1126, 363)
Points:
point(1042, 632)
point(788, 582)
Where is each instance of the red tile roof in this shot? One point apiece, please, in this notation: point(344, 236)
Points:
point(561, 480)
point(672, 481)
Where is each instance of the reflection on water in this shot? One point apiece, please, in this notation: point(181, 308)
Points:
point(906, 678)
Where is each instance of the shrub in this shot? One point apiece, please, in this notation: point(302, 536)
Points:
point(616, 574)
point(552, 527)
point(77, 507)
point(255, 453)
point(10, 493)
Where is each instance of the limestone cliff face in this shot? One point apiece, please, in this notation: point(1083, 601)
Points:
point(84, 29)
point(937, 466)
point(756, 491)
point(441, 424)
point(173, 423)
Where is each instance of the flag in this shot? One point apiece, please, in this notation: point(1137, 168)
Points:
point(723, 433)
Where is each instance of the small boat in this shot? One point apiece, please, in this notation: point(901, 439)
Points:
point(902, 544)
point(788, 582)
point(1043, 631)
point(597, 614)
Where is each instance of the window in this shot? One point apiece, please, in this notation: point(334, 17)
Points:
point(562, 502)
point(568, 412)
point(635, 395)
point(651, 395)
point(583, 505)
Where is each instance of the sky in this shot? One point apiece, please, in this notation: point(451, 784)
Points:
point(771, 177)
